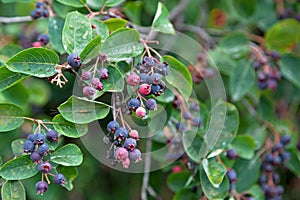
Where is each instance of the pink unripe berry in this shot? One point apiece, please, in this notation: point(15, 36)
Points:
point(134, 134)
point(126, 163)
point(89, 91)
point(133, 79)
point(121, 154)
point(145, 89)
point(86, 75)
point(176, 169)
point(141, 112)
point(37, 44)
point(97, 84)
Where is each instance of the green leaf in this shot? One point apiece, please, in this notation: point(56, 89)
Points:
point(266, 110)
point(13, 190)
point(77, 33)
point(212, 192)
point(235, 44)
point(289, 67)
point(13, 1)
point(256, 192)
point(185, 193)
point(69, 129)
point(70, 173)
point(167, 97)
point(19, 168)
point(55, 27)
point(9, 78)
point(293, 163)
point(8, 51)
point(112, 3)
point(68, 155)
point(10, 117)
point(114, 24)
point(244, 8)
point(39, 62)
point(80, 111)
point(101, 29)
point(259, 134)
point(225, 63)
point(73, 3)
point(241, 80)
point(177, 181)
point(91, 50)
point(244, 146)
point(123, 67)
point(17, 147)
point(122, 44)
point(39, 91)
point(283, 36)
point(133, 10)
point(215, 172)
point(17, 95)
point(161, 22)
point(177, 71)
point(192, 143)
point(246, 170)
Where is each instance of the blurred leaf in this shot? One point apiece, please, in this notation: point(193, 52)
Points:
point(91, 50)
point(212, 192)
point(19, 168)
point(235, 44)
point(39, 91)
point(13, 190)
point(95, 4)
point(289, 67)
point(161, 22)
point(70, 173)
point(283, 35)
point(77, 33)
point(215, 172)
point(123, 67)
point(248, 172)
point(68, 155)
point(8, 51)
point(259, 134)
point(69, 129)
point(101, 29)
point(73, 3)
point(293, 163)
point(192, 142)
point(114, 24)
point(17, 147)
point(177, 181)
point(167, 97)
point(17, 94)
point(177, 71)
point(39, 62)
point(244, 8)
point(55, 27)
point(80, 111)
point(266, 110)
point(122, 44)
point(256, 192)
point(133, 10)
point(186, 193)
point(225, 63)
point(112, 3)
point(10, 117)
point(9, 78)
point(13, 1)
point(241, 80)
point(244, 146)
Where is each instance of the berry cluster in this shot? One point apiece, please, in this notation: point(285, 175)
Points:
point(231, 175)
point(41, 10)
point(42, 40)
point(36, 146)
point(269, 179)
point(124, 143)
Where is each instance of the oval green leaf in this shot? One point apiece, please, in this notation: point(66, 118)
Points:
point(214, 171)
point(289, 67)
point(68, 155)
point(114, 24)
point(161, 22)
point(10, 117)
point(55, 27)
point(244, 146)
point(17, 146)
point(177, 181)
point(100, 29)
point(13, 190)
point(91, 50)
point(9, 78)
point(112, 3)
point(192, 142)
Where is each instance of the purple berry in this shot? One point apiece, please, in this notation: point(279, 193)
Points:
point(231, 154)
point(43, 149)
point(45, 13)
point(187, 115)
point(45, 167)
point(89, 91)
point(103, 73)
point(52, 136)
point(112, 126)
point(285, 139)
point(86, 76)
point(28, 146)
point(41, 187)
point(35, 156)
point(40, 138)
point(133, 104)
point(155, 89)
point(44, 38)
point(39, 5)
point(59, 179)
point(130, 144)
point(231, 175)
point(144, 78)
point(151, 104)
point(32, 138)
point(96, 83)
point(180, 127)
point(121, 134)
point(37, 13)
point(74, 60)
point(133, 79)
point(135, 155)
point(196, 121)
point(155, 78)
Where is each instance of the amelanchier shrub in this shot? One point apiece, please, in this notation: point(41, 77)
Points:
point(227, 111)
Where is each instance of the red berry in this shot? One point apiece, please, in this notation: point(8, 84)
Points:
point(176, 169)
point(37, 44)
point(145, 89)
point(97, 84)
point(134, 134)
point(140, 112)
point(133, 79)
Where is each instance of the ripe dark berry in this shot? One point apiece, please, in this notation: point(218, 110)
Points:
point(37, 13)
point(43, 149)
point(231, 187)
point(97, 84)
point(155, 89)
point(44, 38)
point(28, 146)
point(155, 78)
point(140, 112)
point(162, 69)
point(45, 13)
point(187, 115)
point(269, 158)
point(103, 73)
point(86, 76)
point(45, 167)
point(277, 160)
point(151, 104)
point(231, 175)
point(144, 78)
point(133, 79)
point(134, 134)
point(41, 187)
point(263, 85)
point(133, 104)
point(285, 156)
point(40, 138)
point(285, 139)
point(130, 144)
point(196, 121)
point(272, 84)
point(262, 76)
point(194, 106)
point(59, 179)
point(263, 179)
point(52, 136)
point(280, 190)
point(74, 60)
point(149, 61)
point(231, 154)
point(35, 156)
point(135, 155)
point(180, 127)
point(145, 89)
point(267, 167)
point(32, 138)
point(276, 178)
point(89, 91)
point(121, 134)
point(256, 65)
point(274, 55)
point(112, 126)
point(121, 154)
point(277, 147)
point(39, 5)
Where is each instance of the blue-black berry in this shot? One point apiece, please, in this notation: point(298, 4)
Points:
point(231, 175)
point(196, 121)
point(45, 167)
point(155, 78)
point(135, 155)
point(39, 139)
point(41, 187)
point(59, 179)
point(285, 139)
point(112, 126)
point(187, 115)
point(155, 89)
point(231, 154)
point(74, 60)
point(35, 156)
point(121, 134)
point(39, 5)
point(130, 144)
point(44, 38)
point(133, 104)
point(28, 146)
point(37, 13)
point(43, 149)
point(144, 78)
point(32, 138)
point(151, 104)
point(52, 136)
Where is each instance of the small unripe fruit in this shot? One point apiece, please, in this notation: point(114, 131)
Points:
point(37, 44)
point(140, 112)
point(86, 76)
point(89, 91)
point(126, 163)
point(103, 73)
point(121, 154)
point(97, 84)
point(41, 187)
point(145, 89)
point(134, 134)
point(133, 79)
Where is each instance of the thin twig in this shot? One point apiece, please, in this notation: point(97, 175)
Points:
point(8, 20)
point(146, 169)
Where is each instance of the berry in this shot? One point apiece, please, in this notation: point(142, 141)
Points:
point(268, 158)
point(140, 112)
point(286, 139)
point(256, 65)
point(35, 156)
point(130, 144)
point(277, 161)
point(267, 167)
point(74, 60)
point(45, 13)
point(89, 91)
point(277, 147)
point(274, 55)
point(103, 73)
point(231, 187)
point(194, 106)
point(41, 187)
point(187, 115)
point(231, 175)
point(28, 146)
point(126, 163)
point(52, 136)
point(162, 69)
point(97, 84)
point(262, 76)
point(121, 154)
point(263, 179)
point(176, 169)
point(44, 38)
point(285, 156)
point(102, 57)
point(180, 127)
point(59, 179)
point(145, 89)
point(155, 78)
point(263, 85)
point(231, 154)
point(86, 76)
point(163, 86)
point(276, 178)
point(149, 61)
point(133, 104)
point(32, 137)
point(135, 155)
point(272, 84)
point(155, 89)
point(280, 189)
point(43, 149)
point(37, 13)
point(45, 167)
point(134, 134)
point(121, 134)
point(39, 5)
point(144, 78)
point(151, 104)
point(37, 44)
point(196, 121)
point(40, 138)
point(133, 79)
point(112, 126)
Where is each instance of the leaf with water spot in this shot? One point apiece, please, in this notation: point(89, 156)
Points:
point(13, 190)
point(68, 155)
point(91, 50)
point(17, 146)
point(10, 117)
point(161, 22)
point(9, 78)
point(55, 27)
point(215, 172)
